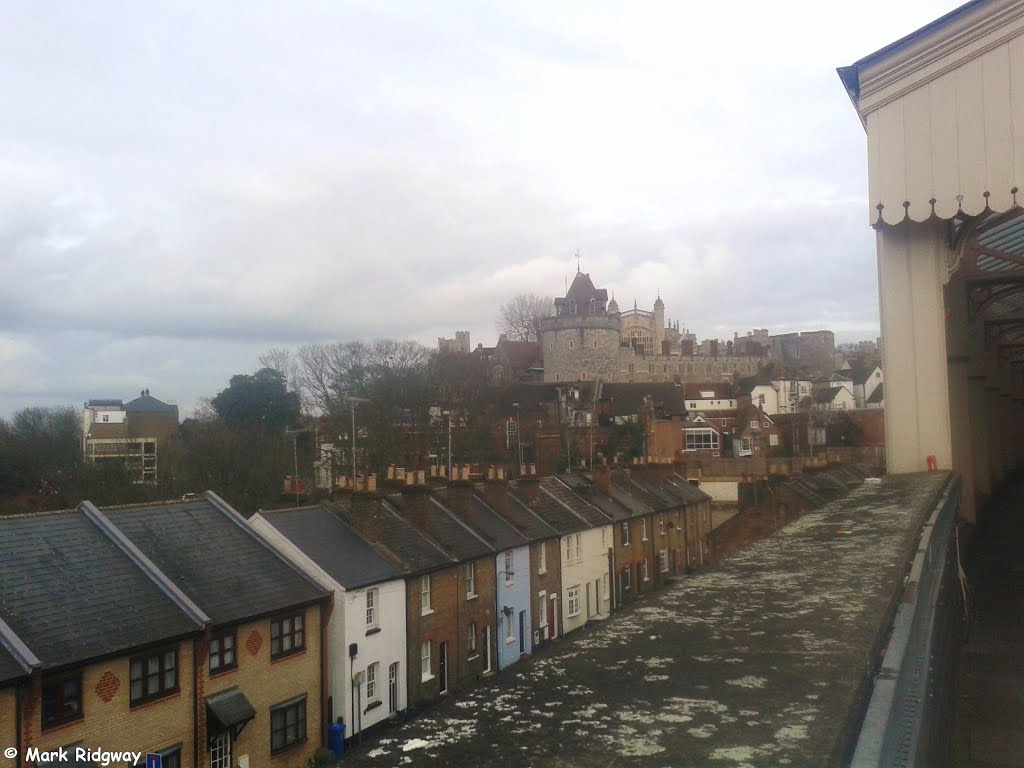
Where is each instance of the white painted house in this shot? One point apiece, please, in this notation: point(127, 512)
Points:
point(369, 615)
point(865, 382)
point(767, 397)
point(790, 393)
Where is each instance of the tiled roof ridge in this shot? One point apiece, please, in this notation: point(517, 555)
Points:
point(16, 647)
point(511, 525)
point(229, 512)
point(144, 564)
point(596, 508)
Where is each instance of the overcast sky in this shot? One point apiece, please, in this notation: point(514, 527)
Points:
point(184, 185)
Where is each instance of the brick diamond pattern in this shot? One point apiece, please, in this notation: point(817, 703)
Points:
point(254, 642)
point(108, 686)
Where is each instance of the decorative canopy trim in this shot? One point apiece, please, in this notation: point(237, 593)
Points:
point(961, 206)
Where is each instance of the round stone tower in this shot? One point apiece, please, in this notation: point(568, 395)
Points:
point(580, 341)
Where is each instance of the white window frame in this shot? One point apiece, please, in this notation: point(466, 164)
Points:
point(372, 600)
point(643, 529)
point(579, 546)
point(543, 558)
point(426, 672)
point(487, 648)
point(425, 595)
point(371, 683)
point(220, 750)
point(543, 598)
point(625, 533)
point(627, 577)
point(509, 634)
point(573, 601)
point(644, 570)
point(663, 561)
point(470, 581)
point(604, 587)
point(661, 523)
point(568, 548)
point(471, 641)
point(510, 572)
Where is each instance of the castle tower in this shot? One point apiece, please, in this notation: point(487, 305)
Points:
point(659, 324)
point(581, 340)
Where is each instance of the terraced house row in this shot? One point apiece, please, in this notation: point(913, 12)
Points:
point(439, 583)
point(183, 629)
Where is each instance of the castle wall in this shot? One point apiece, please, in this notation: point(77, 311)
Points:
point(580, 347)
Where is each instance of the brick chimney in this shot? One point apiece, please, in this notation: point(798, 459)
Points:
point(603, 479)
point(529, 484)
point(438, 477)
point(366, 507)
point(460, 494)
point(416, 495)
point(496, 490)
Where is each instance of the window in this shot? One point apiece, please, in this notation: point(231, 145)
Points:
point(220, 750)
point(508, 625)
point(511, 434)
point(643, 523)
point(287, 725)
point(487, 648)
point(643, 571)
point(604, 585)
point(701, 438)
point(509, 572)
point(287, 636)
point(625, 534)
point(171, 758)
point(371, 608)
point(627, 578)
point(371, 682)
point(425, 660)
point(222, 652)
point(773, 439)
point(661, 524)
point(579, 545)
point(470, 580)
point(62, 699)
point(663, 561)
point(745, 445)
point(543, 558)
point(153, 676)
point(574, 601)
point(425, 594)
point(568, 547)
point(471, 640)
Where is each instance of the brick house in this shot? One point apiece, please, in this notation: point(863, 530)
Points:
point(260, 671)
point(756, 434)
point(683, 521)
point(83, 614)
point(366, 634)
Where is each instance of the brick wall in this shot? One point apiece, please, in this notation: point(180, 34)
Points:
point(437, 626)
point(549, 582)
point(267, 683)
point(109, 721)
point(479, 611)
point(632, 555)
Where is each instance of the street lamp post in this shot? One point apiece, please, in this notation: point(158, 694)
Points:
point(519, 435)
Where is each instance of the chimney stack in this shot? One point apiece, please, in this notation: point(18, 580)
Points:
point(496, 490)
point(460, 493)
point(529, 485)
point(366, 507)
point(416, 495)
point(603, 479)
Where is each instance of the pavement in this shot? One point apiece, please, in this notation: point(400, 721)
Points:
point(990, 704)
point(762, 661)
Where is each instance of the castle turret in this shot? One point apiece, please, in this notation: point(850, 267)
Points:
point(659, 322)
point(581, 341)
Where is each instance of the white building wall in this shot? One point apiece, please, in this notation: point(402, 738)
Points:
point(348, 625)
point(591, 568)
point(721, 491)
point(771, 398)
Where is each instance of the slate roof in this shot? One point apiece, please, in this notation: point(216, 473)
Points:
point(215, 558)
point(527, 522)
point(334, 545)
point(446, 530)
point(106, 402)
point(630, 497)
point(71, 594)
point(689, 492)
point(149, 404)
point(548, 509)
point(627, 398)
point(691, 391)
point(597, 497)
point(535, 397)
point(559, 490)
point(417, 553)
point(582, 289)
point(492, 527)
point(10, 668)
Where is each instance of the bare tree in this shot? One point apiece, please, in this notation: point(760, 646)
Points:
point(519, 318)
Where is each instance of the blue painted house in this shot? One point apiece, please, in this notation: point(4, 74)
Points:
point(513, 614)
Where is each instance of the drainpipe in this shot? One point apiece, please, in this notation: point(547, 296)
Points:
point(195, 701)
point(611, 575)
point(17, 723)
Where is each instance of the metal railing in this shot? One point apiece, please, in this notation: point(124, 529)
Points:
point(909, 717)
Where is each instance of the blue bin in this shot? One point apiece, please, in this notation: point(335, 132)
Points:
point(336, 738)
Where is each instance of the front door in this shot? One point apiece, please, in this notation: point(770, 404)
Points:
point(393, 687)
point(589, 612)
point(522, 632)
point(443, 667)
point(220, 750)
point(487, 649)
point(553, 615)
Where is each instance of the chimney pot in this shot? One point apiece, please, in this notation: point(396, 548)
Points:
point(371, 483)
point(500, 473)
